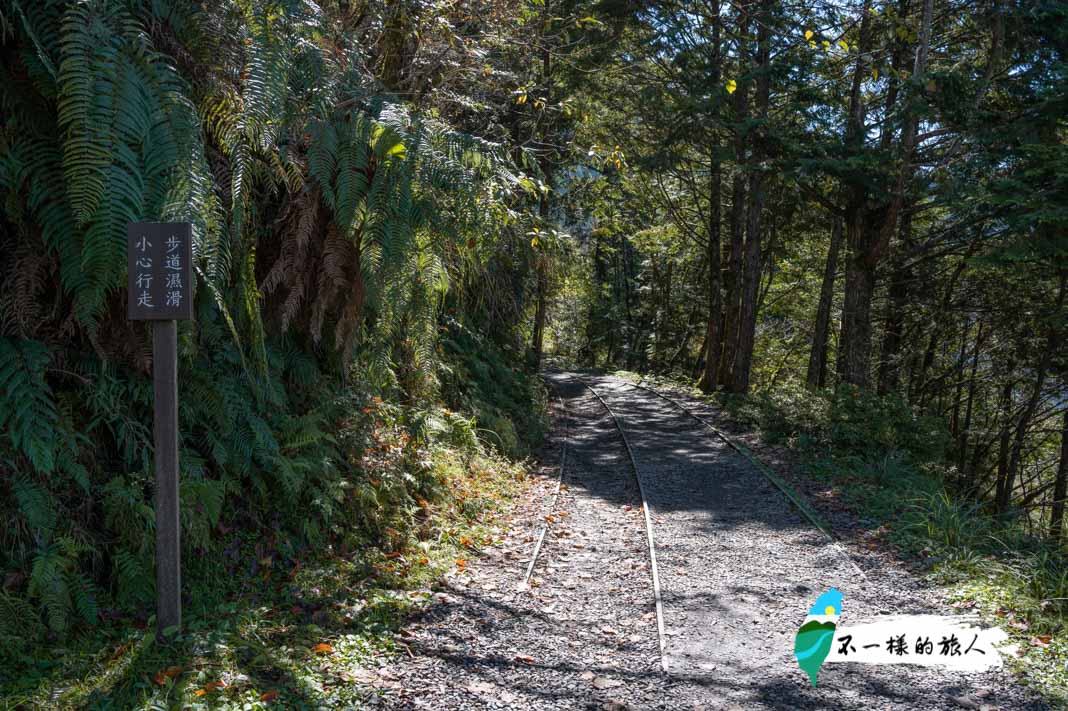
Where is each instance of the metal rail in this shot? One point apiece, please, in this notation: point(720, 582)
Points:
point(764, 469)
point(648, 521)
point(556, 495)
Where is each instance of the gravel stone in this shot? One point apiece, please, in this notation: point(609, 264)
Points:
point(738, 566)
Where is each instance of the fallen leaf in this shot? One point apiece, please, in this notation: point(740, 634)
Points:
point(209, 687)
point(323, 648)
point(1041, 640)
point(524, 658)
point(164, 674)
point(461, 563)
point(587, 676)
point(269, 695)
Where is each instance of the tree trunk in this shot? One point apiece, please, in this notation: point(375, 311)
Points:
point(854, 216)
point(1060, 487)
point(1004, 434)
point(743, 358)
point(871, 232)
point(854, 344)
point(936, 331)
point(962, 441)
point(542, 266)
point(538, 339)
point(894, 323)
point(1004, 494)
point(733, 279)
point(817, 359)
point(713, 336)
point(713, 347)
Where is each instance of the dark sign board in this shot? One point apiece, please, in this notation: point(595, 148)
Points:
point(159, 257)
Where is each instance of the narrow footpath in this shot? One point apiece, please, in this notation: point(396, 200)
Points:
point(738, 568)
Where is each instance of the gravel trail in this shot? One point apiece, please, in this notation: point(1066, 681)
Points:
point(738, 568)
point(584, 633)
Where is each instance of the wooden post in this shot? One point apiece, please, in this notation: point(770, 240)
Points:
point(159, 286)
point(168, 544)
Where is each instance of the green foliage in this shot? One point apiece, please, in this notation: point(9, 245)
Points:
point(850, 421)
point(329, 221)
point(27, 408)
point(506, 401)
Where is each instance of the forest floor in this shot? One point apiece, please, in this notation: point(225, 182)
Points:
point(300, 629)
point(462, 629)
point(738, 567)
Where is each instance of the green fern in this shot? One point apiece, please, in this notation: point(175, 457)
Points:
point(252, 121)
point(36, 507)
point(28, 412)
point(19, 624)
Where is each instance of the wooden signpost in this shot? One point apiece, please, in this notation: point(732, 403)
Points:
point(159, 282)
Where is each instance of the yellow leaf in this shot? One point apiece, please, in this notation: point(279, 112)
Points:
point(534, 242)
point(826, 44)
point(844, 45)
point(487, 70)
point(875, 73)
point(522, 99)
point(323, 648)
point(731, 86)
point(808, 34)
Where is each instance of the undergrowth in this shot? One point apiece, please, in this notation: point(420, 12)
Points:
point(269, 621)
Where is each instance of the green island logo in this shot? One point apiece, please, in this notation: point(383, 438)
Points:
point(816, 637)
